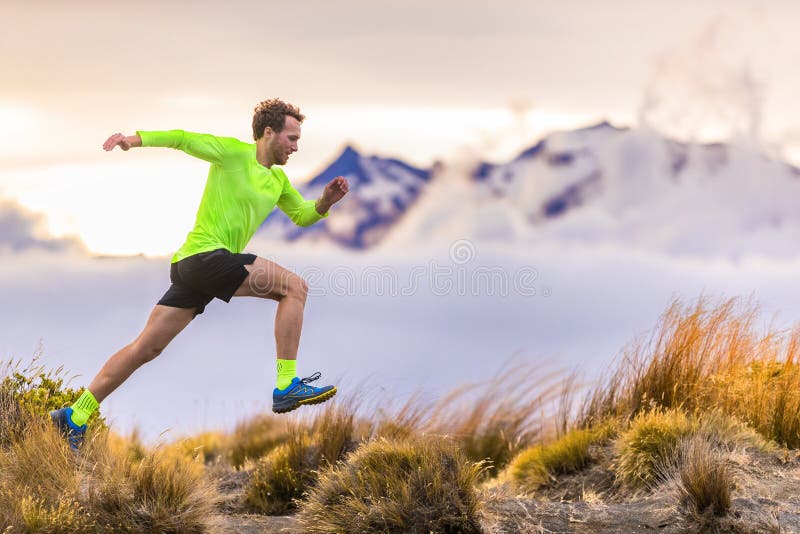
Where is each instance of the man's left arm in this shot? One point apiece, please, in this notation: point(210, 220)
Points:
point(333, 193)
point(306, 212)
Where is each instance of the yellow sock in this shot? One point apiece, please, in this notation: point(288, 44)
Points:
point(287, 369)
point(84, 407)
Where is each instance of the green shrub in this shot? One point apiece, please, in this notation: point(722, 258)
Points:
point(606, 431)
point(45, 487)
point(28, 392)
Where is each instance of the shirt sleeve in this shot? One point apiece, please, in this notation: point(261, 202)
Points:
point(204, 146)
point(302, 212)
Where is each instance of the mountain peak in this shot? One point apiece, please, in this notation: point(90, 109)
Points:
point(349, 153)
point(381, 190)
point(602, 125)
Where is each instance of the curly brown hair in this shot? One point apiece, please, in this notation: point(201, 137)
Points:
point(273, 113)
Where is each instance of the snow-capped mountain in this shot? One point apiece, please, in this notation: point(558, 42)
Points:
point(596, 184)
point(381, 190)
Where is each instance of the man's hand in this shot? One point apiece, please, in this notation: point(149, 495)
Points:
point(124, 142)
point(335, 190)
point(333, 193)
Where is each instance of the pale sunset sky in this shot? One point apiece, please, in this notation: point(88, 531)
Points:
point(422, 81)
point(451, 81)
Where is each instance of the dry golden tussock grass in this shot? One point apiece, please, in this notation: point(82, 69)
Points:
point(706, 358)
point(704, 482)
point(46, 487)
point(706, 383)
point(537, 465)
point(496, 420)
point(255, 437)
point(420, 485)
point(654, 438)
point(311, 442)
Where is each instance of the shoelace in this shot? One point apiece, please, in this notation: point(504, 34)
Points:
point(307, 380)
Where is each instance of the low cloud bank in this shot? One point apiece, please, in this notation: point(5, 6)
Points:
point(366, 322)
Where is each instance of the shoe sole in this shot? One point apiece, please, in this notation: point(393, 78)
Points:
point(313, 400)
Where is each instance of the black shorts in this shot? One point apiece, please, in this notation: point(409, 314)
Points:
point(196, 280)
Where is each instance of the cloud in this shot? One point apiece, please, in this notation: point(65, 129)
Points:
point(589, 302)
point(22, 230)
point(711, 86)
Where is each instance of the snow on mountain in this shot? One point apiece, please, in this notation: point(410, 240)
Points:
point(381, 190)
point(629, 187)
point(632, 187)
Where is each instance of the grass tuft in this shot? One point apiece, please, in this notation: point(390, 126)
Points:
point(704, 482)
point(65, 516)
point(703, 358)
point(650, 442)
point(388, 486)
point(45, 487)
point(654, 437)
point(282, 475)
point(256, 437)
point(704, 385)
point(494, 421)
point(535, 466)
point(29, 390)
point(205, 447)
point(289, 470)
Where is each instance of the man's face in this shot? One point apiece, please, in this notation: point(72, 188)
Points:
point(283, 144)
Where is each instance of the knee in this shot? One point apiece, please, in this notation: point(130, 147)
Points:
point(297, 288)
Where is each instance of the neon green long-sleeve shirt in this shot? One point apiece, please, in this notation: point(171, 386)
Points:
point(239, 192)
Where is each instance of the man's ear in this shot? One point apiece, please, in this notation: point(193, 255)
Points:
point(268, 132)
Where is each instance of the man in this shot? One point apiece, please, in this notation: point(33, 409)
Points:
point(244, 184)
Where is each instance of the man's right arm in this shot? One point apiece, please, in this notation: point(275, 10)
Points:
point(125, 142)
point(207, 147)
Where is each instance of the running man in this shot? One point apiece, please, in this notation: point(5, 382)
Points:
point(244, 184)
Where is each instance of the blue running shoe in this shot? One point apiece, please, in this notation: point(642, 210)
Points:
point(299, 392)
point(63, 420)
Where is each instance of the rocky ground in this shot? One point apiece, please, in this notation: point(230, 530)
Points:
point(766, 500)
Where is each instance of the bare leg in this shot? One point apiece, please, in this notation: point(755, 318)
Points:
point(266, 279)
point(164, 324)
point(288, 325)
point(269, 280)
